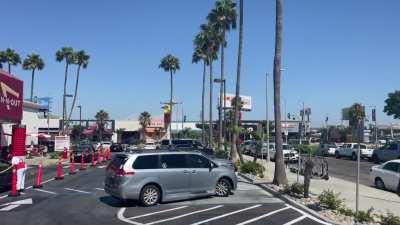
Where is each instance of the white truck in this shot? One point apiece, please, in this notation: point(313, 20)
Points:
point(350, 150)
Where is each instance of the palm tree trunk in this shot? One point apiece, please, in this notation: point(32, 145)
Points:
point(280, 174)
point(210, 128)
point(171, 106)
point(65, 93)
point(221, 93)
point(233, 153)
point(202, 102)
point(9, 68)
point(33, 79)
point(75, 94)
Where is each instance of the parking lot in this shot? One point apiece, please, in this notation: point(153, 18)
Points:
point(80, 199)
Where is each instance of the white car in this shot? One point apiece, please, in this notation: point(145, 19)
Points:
point(327, 149)
point(150, 146)
point(386, 175)
point(289, 154)
point(350, 150)
point(106, 144)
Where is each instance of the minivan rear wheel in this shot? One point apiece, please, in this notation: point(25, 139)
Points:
point(150, 195)
point(379, 183)
point(223, 188)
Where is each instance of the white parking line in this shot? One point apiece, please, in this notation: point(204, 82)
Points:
point(48, 192)
point(262, 216)
point(308, 215)
point(120, 216)
point(187, 214)
point(226, 214)
point(84, 192)
point(8, 208)
point(100, 189)
point(158, 212)
point(4, 196)
point(296, 220)
point(101, 167)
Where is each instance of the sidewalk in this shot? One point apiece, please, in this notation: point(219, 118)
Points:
point(380, 200)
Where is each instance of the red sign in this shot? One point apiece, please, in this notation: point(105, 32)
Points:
point(18, 141)
point(11, 93)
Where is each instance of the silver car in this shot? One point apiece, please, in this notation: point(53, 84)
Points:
point(161, 176)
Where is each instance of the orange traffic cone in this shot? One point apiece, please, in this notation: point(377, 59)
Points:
point(38, 176)
point(92, 165)
point(59, 175)
point(72, 170)
point(98, 157)
point(14, 192)
point(82, 162)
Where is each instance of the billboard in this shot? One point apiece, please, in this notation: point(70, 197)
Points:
point(246, 101)
point(10, 98)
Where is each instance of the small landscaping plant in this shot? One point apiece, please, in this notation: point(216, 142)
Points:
point(295, 189)
point(389, 219)
point(54, 155)
point(330, 200)
point(252, 168)
point(364, 216)
point(221, 154)
point(346, 211)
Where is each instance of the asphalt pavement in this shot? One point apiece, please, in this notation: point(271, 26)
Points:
point(346, 169)
point(80, 199)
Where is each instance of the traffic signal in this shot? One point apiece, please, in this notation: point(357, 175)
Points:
point(373, 115)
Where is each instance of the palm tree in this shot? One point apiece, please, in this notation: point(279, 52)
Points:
point(280, 174)
point(233, 153)
point(33, 62)
point(101, 117)
point(81, 59)
point(170, 64)
point(144, 121)
point(199, 55)
point(223, 17)
point(208, 41)
point(11, 58)
point(2, 59)
point(65, 54)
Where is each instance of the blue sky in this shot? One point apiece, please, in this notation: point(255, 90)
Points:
point(335, 52)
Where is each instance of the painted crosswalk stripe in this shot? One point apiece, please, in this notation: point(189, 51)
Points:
point(158, 212)
point(8, 208)
point(187, 214)
point(262, 216)
point(101, 167)
point(226, 214)
point(100, 189)
point(45, 191)
point(84, 192)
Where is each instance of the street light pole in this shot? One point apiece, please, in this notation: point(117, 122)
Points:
point(80, 115)
point(267, 119)
point(300, 142)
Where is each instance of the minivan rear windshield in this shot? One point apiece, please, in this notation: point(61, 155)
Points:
point(119, 161)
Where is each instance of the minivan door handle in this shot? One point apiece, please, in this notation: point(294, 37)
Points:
point(186, 171)
point(193, 171)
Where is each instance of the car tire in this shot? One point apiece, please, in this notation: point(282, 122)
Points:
point(375, 159)
point(223, 188)
point(354, 156)
point(337, 155)
point(150, 195)
point(379, 183)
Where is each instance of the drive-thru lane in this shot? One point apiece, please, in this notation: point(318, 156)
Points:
point(80, 199)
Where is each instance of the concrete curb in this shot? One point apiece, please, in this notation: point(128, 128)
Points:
point(288, 200)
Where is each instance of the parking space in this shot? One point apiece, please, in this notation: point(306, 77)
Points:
point(240, 214)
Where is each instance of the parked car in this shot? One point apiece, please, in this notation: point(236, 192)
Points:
point(289, 154)
point(247, 146)
point(150, 146)
point(86, 150)
point(5, 175)
point(386, 175)
point(116, 147)
point(350, 150)
point(388, 152)
point(327, 150)
point(161, 176)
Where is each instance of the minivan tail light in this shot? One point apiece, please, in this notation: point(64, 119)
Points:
point(122, 172)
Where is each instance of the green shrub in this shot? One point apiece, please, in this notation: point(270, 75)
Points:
point(330, 200)
point(346, 211)
point(237, 165)
point(54, 155)
point(308, 149)
point(253, 168)
point(221, 154)
point(389, 219)
point(364, 216)
point(294, 189)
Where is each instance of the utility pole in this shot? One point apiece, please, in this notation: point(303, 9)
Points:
point(80, 115)
point(267, 121)
point(302, 125)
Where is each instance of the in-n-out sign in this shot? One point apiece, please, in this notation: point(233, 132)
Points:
point(11, 93)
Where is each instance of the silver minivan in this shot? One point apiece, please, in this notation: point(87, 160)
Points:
point(161, 176)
